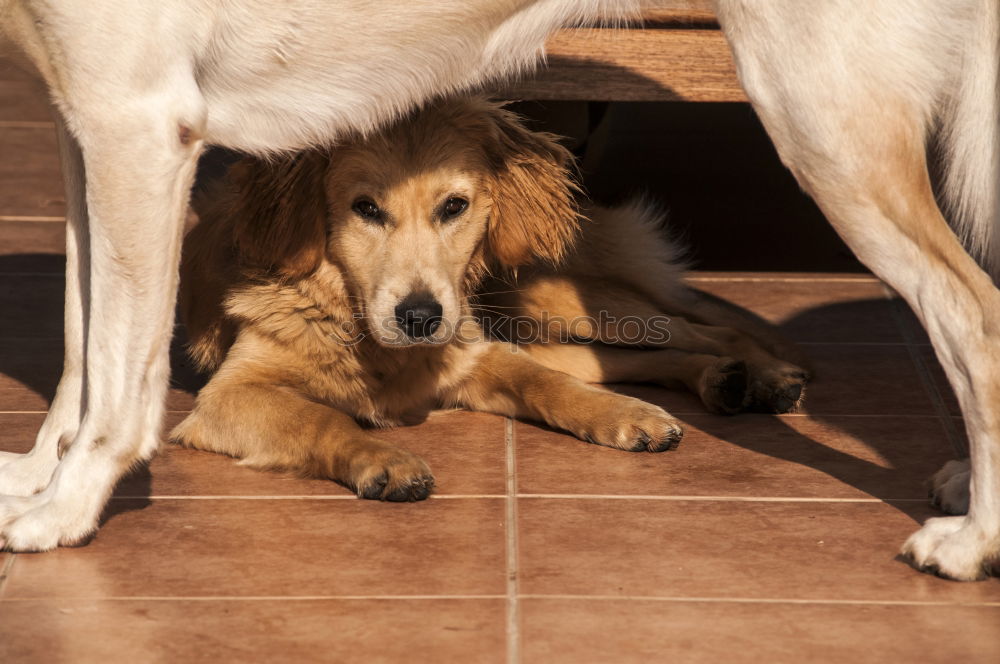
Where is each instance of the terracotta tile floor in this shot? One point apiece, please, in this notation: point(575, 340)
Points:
point(761, 539)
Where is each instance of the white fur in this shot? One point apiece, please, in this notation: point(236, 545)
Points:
point(142, 87)
point(970, 140)
point(850, 92)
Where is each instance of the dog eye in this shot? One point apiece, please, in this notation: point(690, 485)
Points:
point(453, 207)
point(366, 209)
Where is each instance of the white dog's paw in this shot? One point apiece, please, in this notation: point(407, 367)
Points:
point(24, 474)
point(949, 487)
point(32, 524)
point(952, 547)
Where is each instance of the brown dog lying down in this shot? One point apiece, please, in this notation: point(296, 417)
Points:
point(333, 288)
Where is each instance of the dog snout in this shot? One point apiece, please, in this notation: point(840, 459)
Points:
point(419, 315)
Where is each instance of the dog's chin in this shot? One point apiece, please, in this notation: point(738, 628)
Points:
point(391, 336)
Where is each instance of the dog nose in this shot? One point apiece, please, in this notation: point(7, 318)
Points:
point(419, 315)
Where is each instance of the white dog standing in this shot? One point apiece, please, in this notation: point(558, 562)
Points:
point(849, 90)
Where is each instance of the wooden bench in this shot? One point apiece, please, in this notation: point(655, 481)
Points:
point(678, 53)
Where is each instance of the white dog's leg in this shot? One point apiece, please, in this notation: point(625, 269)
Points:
point(139, 157)
point(25, 474)
point(849, 111)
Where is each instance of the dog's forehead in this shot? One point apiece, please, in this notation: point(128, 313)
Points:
point(439, 158)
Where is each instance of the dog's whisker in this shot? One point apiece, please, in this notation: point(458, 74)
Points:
point(492, 311)
point(498, 292)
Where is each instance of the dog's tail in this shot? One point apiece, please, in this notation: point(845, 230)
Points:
point(970, 139)
point(632, 244)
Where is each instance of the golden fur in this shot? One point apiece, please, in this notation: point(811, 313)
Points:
point(291, 293)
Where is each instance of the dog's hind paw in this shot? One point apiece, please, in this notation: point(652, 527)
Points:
point(953, 547)
point(732, 386)
point(949, 487)
point(777, 389)
point(724, 386)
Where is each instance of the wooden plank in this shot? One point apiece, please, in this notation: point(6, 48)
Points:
point(675, 20)
point(679, 13)
point(634, 65)
point(679, 5)
point(679, 19)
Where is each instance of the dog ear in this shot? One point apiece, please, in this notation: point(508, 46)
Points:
point(534, 213)
point(279, 212)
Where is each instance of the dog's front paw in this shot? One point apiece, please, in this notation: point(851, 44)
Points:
point(33, 523)
point(633, 425)
point(953, 547)
point(949, 488)
point(391, 473)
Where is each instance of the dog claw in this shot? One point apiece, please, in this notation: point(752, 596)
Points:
point(780, 399)
point(668, 442)
point(641, 444)
point(379, 488)
point(634, 426)
point(374, 488)
point(416, 489)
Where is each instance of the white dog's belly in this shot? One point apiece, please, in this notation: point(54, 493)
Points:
point(290, 75)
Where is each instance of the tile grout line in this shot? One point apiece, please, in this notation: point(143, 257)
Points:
point(5, 572)
point(542, 596)
point(717, 499)
point(763, 600)
point(455, 496)
point(511, 498)
point(846, 280)
point(27, 124)
point(512, 614)
point(247, 598)
point(54, 274)
point(851, 343)
point(32, 218)
point(930, 386)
